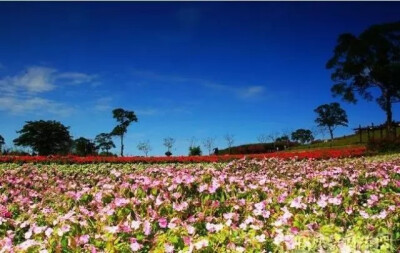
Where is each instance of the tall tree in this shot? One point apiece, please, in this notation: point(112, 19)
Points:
point(302, 135)
point(125, 118)
point(104, 142)
point(84, 147)
point(371, 60)
point(45, 137)
point(330, 116)
point(1, 143)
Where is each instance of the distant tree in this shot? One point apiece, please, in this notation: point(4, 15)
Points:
point(144, 147)
point(45, 137)
point(169, 143)
point(330, 116)
point(369, 61)
point(84, 147)
point(125, 118)
point(262, 138)
point(1, 143)
point(283, 138)
point(208, 144)
point(195, 151)
point(229, 140)
point(104, 142)
point(302, 135)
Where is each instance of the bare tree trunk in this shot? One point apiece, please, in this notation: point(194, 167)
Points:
point(331, 133)
point(122, 145)
point(389, 117)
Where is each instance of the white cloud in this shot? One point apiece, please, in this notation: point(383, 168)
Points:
point(251, 91)
point(242, 92)
point(103, 104)
point(33, 80)
point(19, 94)
point(36, 105)
point(147, 111)
point(76, 77)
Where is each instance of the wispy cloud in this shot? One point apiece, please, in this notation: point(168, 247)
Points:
point(76, 77)
point(37, 105)
point(241, 92)
point(21, 93)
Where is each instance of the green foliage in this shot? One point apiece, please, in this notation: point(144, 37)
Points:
point(84, 147)
point(193, 151)
point(302, 135)
point(45, 137)
point(384, 145)
point(370, 60)
point(283, 138)
point(330, 116)
point(104, 142)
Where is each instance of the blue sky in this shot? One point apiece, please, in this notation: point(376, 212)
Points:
point(187, 69)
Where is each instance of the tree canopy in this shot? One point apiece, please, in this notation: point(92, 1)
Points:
point(104, 142)
point(84, 147)
point(125, 118)
point(371, 60)
point(330, 116)
point(45, 137)
point(302, 135)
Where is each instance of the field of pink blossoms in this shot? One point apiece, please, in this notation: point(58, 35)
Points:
point(272, 205)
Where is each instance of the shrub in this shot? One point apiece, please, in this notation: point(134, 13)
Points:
point(384, 145)
point(168, 153)
point(195, 151)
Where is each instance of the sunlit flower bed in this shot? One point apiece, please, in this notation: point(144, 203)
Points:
point(273, 205)
point(71, 159)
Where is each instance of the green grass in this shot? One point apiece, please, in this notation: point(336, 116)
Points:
point(349, 140)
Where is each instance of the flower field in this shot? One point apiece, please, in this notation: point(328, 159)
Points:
point(264, 205)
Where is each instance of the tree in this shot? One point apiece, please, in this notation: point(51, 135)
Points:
point(302, 135)
point(144, 147)
point(208, 144)
point(1, 143)
point(368, 61)
point(229, 140)
point(262, 138)
point(168, 143)
point(84, 147)
point(125, 118)
point(283, 138)
point(45, 137)
point(104, 142)
point(195, 151)
point(330, 116)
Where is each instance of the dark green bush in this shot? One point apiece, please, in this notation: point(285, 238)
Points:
point(384, 145)
point(195, 151)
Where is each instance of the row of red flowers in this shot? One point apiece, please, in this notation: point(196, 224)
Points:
point(316, 154)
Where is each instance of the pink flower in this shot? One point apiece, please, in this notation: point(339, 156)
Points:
point(169, 248)
point(83, 239)
point(147, 228)
point(162, 222)
point(135, 246)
